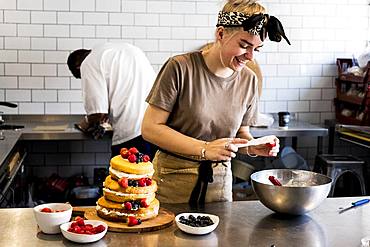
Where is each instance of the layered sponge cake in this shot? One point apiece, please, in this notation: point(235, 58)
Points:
point(129, 191)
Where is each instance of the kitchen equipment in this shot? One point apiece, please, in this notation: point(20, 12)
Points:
point(8, 104)
point(355, 204)
point(49, 223)
point(274, 181)
point(197, 230)
point(301, 191)
point(84, 238)
point(84, 195)
point(284, 119)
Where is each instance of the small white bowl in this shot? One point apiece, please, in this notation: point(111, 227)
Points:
point(49, 222)
point(84, 238)
point(197, 230)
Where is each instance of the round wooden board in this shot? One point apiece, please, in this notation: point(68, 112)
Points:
point(164, 219)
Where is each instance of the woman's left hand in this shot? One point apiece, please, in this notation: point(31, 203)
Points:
point(271, 148)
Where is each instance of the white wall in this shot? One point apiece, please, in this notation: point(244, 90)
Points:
point(37, 36)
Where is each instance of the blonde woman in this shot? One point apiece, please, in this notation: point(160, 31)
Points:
point(201, 107)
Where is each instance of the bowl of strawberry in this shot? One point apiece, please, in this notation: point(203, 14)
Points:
point(84, 231)
point(50, 216)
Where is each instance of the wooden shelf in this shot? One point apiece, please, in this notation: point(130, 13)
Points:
point(345, 83)
point(350, 99)
point(347, 120)
point(351, 78)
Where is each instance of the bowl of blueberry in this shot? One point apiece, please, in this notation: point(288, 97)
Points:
point(196, 223)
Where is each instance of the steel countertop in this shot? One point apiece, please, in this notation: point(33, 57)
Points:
point(242, 223)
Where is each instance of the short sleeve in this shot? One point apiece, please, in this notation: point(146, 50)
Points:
point(251, 114)
point(94, 89)
point(165, 90)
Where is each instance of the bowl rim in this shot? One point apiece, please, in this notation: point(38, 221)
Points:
point(38, 207)
point(214, 218)
point(65, 226)
point(330, 180)
point(83, 238)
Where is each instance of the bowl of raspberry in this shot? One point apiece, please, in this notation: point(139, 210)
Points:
point(197, 223)
point(84, 231)
point(50, 216)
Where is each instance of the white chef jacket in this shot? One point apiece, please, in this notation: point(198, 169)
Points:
point(116, 78)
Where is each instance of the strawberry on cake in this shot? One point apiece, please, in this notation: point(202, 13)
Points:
point(129, 191)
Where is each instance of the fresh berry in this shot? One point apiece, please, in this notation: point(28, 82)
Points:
point(132, 221)
point(135, 205)
point(142, 182)
point(134, 183)
point(132, 158)
point(140, 157)
point(200, 221)
point(99, 229)
point(148, 181)
point(46, 210)
point(88, 227)
point(123, 182)
point(128, 205)
point(271, 145)
point(133, 150)
point(85, 229)
point(143, 203)
point(80, 222)
point(124, 153)
point(78, 218)
point(146, 158)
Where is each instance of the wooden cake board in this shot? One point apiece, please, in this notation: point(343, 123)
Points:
point(164, 219)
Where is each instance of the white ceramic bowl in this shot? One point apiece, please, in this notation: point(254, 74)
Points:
point(83, 238)
point(197, 230)
point(49, 222)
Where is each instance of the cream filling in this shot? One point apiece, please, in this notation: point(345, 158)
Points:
point(128, 195)
point(120, 174)
point(106, 212)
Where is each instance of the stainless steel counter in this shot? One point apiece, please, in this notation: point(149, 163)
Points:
point(32, 121)
point(246, 223)
point(296, 129)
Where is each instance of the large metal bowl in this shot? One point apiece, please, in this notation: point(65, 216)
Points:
point(301, 191)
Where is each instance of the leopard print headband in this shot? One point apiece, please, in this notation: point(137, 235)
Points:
point(257, 24)
point(238, 19)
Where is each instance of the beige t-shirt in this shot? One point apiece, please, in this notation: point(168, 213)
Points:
point(201, 104)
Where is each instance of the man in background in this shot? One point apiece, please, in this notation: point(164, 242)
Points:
point(116, 78)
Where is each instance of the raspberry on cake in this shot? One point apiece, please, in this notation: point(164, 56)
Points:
point(129, 191)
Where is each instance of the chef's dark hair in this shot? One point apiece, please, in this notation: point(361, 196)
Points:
point(75, 60)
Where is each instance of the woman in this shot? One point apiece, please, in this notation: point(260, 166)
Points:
point(201, 107)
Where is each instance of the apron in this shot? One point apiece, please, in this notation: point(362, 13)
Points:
point(177, 177)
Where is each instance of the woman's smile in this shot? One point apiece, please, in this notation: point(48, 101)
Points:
point(241, 61)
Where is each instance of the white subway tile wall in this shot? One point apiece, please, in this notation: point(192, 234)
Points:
point(37, 36)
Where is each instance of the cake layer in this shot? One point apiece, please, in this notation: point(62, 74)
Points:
point(114, 212)
point(118, 174)
point(123, 165)
point(123, 197)
point(113, 185)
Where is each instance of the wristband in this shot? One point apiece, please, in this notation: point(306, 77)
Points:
point(251, 155)
point(203, 152)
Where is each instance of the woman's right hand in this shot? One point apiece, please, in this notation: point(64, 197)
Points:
point(223, 149)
